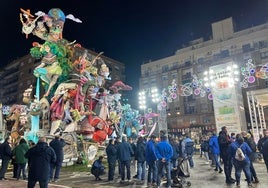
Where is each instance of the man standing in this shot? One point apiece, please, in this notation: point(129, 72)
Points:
point(40, 158)
point(188, 149)
point(57, 144)
point(264, 147)
point(6, 155)
point(111, 152)
point(215, 150)
point(224, 142)
point(124, 152)
point(163, 152)
point(151, 158)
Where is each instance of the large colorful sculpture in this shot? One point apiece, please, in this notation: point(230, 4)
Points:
point(77, 101)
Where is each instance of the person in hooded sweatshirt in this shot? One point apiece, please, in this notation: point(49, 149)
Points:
point(19, 153)
point(40, 158)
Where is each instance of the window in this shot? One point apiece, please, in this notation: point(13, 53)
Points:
point(246, 48)
point(264, 55)
point(165, 68)
point(200, 60)
point(206, 120)
point(175, 65)
point(263, 44)
point(224, 53)
point(164, 77)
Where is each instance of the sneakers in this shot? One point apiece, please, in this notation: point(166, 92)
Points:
point(237, 184)
point(250, 184)
point(256, 180)
point(220, 171)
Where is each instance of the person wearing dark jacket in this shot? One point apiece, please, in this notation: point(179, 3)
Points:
point(20, 159)
point(124, 152)
point(57, 144)
point(6, 155)
point(111, 152)
point(40, 158)
point(224, 142)
point(261, 141)
point(175, 147)
point(140, 157)
point(264, 148)
point(151, 161)
point(97, 168)
point(251, 143)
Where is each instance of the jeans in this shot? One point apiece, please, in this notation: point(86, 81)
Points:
point(141, 170)
point(242, 165)
point(216, 158)
point(160, 166)
point(4, 167)
point(206, 155)
point(227, 164)
point(111, 169)
point(21, 168)
point(174, 163)
point(191, 161)
point(252, 171)
point(125, 164)
point(42, 184)
point(152, 172)
point(57, 167)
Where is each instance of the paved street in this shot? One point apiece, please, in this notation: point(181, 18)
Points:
point(202, 176)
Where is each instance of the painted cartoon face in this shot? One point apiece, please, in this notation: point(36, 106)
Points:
point(46, 48)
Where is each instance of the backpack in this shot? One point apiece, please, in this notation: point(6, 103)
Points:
point(239, 155)
point(189, 148)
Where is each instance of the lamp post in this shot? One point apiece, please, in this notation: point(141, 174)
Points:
point(148, 98)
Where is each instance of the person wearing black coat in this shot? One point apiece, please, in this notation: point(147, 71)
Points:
point(111, 152)
point(40, 158)
point(224, 143)
point(176, 151)
point(57, 144)
point(140, 157)
point(6, 155)
point(124, 153)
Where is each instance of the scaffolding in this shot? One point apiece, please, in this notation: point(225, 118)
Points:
point(257, 101)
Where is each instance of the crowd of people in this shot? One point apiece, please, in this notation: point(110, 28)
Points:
point(151, 159)
point(26, 158)
point(161, 157)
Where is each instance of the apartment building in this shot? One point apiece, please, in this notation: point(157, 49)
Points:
point(195, 113)
point(18, 75)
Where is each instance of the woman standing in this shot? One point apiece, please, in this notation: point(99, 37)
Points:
point(244, 164)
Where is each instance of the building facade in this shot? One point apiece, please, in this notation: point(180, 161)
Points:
point(18, 75)
point(195, 113)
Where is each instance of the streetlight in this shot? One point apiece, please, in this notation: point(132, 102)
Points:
point(142, 100)
point(155, 95)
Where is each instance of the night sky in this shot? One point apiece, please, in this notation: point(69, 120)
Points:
point(130, 31)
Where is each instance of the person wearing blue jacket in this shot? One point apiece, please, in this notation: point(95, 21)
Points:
point(215, 150)
point(241, 165)
point(151, 158)
point(163, 152)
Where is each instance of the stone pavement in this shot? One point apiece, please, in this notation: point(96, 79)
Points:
point(202, 176)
